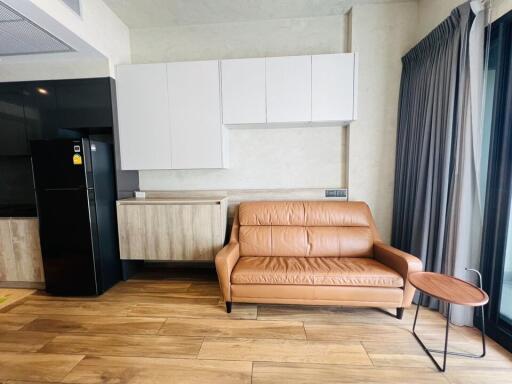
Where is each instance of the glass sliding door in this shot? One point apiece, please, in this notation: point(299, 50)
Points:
point(496, 188)
point(505, 312)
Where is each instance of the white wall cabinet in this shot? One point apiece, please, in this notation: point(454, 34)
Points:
point(144, 135)
point(170, 116)
point(195, 117)
point(288, 84)
point(333, 87)
point(295, 89)
point(243, 91)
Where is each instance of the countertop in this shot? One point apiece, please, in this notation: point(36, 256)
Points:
point(167, 200)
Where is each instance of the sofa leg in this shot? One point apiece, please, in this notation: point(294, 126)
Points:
point(228, 306)
point(399, 313)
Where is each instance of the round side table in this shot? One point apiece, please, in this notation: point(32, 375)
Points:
point(452, 291)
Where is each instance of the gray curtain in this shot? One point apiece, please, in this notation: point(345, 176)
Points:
point(437, 214)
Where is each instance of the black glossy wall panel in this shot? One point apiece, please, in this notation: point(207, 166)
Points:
point(84, 104)
point(39, 102)
point(17, 196)
point(44, 110)
point(13, 134)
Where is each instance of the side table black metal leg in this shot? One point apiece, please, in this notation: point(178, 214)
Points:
point(446, 337)
point(427, 350)
point(483, 332)
point(445, 351)
point(470, 354)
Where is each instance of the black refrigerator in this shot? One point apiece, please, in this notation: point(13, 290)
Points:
point(75, 195)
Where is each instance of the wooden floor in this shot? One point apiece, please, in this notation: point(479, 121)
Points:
point(172, 328)
point(9, 296)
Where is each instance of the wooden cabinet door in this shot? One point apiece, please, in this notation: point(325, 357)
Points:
point(195, 232)
point(333, 87)
point(7, 259)
point(131, 225)
point(27, 250)
point(195, 118)
point(143, 110)
point(187, 232)
point(288, 82)
point(20, 251)
point(243, 91)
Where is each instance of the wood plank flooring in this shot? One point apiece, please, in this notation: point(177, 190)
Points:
point(168, 327)
point(9, 296)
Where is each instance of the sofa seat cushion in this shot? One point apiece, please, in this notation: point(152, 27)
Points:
point(337, 271)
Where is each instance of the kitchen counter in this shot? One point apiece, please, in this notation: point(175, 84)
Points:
point(171, 228)
point(173, 200)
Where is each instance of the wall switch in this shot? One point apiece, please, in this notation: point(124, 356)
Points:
point(336, 193)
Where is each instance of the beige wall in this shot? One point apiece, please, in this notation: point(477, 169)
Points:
point(281, 37)
point(259, 158)
point(382, 34)
point(432, 12)
point(98, 26)
point(265, 158)
point(302, 157)
point(310, 157)
point(52, 68)
point(500, 7)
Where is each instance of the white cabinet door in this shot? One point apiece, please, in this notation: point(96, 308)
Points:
point(142, 104)
point(194, 109)
point(288, 82)
point(243, 91)
point(333, 87)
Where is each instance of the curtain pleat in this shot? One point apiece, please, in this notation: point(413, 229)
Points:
point(433, 164)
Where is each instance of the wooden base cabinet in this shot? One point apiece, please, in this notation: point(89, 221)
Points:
point(21, 264)
point(171, 229)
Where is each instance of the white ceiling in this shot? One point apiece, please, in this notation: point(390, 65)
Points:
point(168, 13)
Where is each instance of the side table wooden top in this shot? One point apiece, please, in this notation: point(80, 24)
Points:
point(448, 288)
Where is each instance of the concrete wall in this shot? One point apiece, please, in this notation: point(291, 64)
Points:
point(97, 25)
point(500, 7)
point(303, 157)
point(432, 12)
point(52, 68)
point(281, 37)
point(382, 34)
point(259, 158)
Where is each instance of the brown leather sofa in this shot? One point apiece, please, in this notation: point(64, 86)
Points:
point(312, 252)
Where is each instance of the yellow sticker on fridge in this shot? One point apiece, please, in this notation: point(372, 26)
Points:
point(77, 159)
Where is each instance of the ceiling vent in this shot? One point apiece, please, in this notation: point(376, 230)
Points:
point(20, 36)
point(74, 5)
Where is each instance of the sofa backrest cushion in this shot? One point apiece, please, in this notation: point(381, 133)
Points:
point(306, 228)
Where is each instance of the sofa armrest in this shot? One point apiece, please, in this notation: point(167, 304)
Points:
point(225, 261)
point(403, 263)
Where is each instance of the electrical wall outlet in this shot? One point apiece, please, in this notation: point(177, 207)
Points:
point(140, 194)
point(339, 193)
